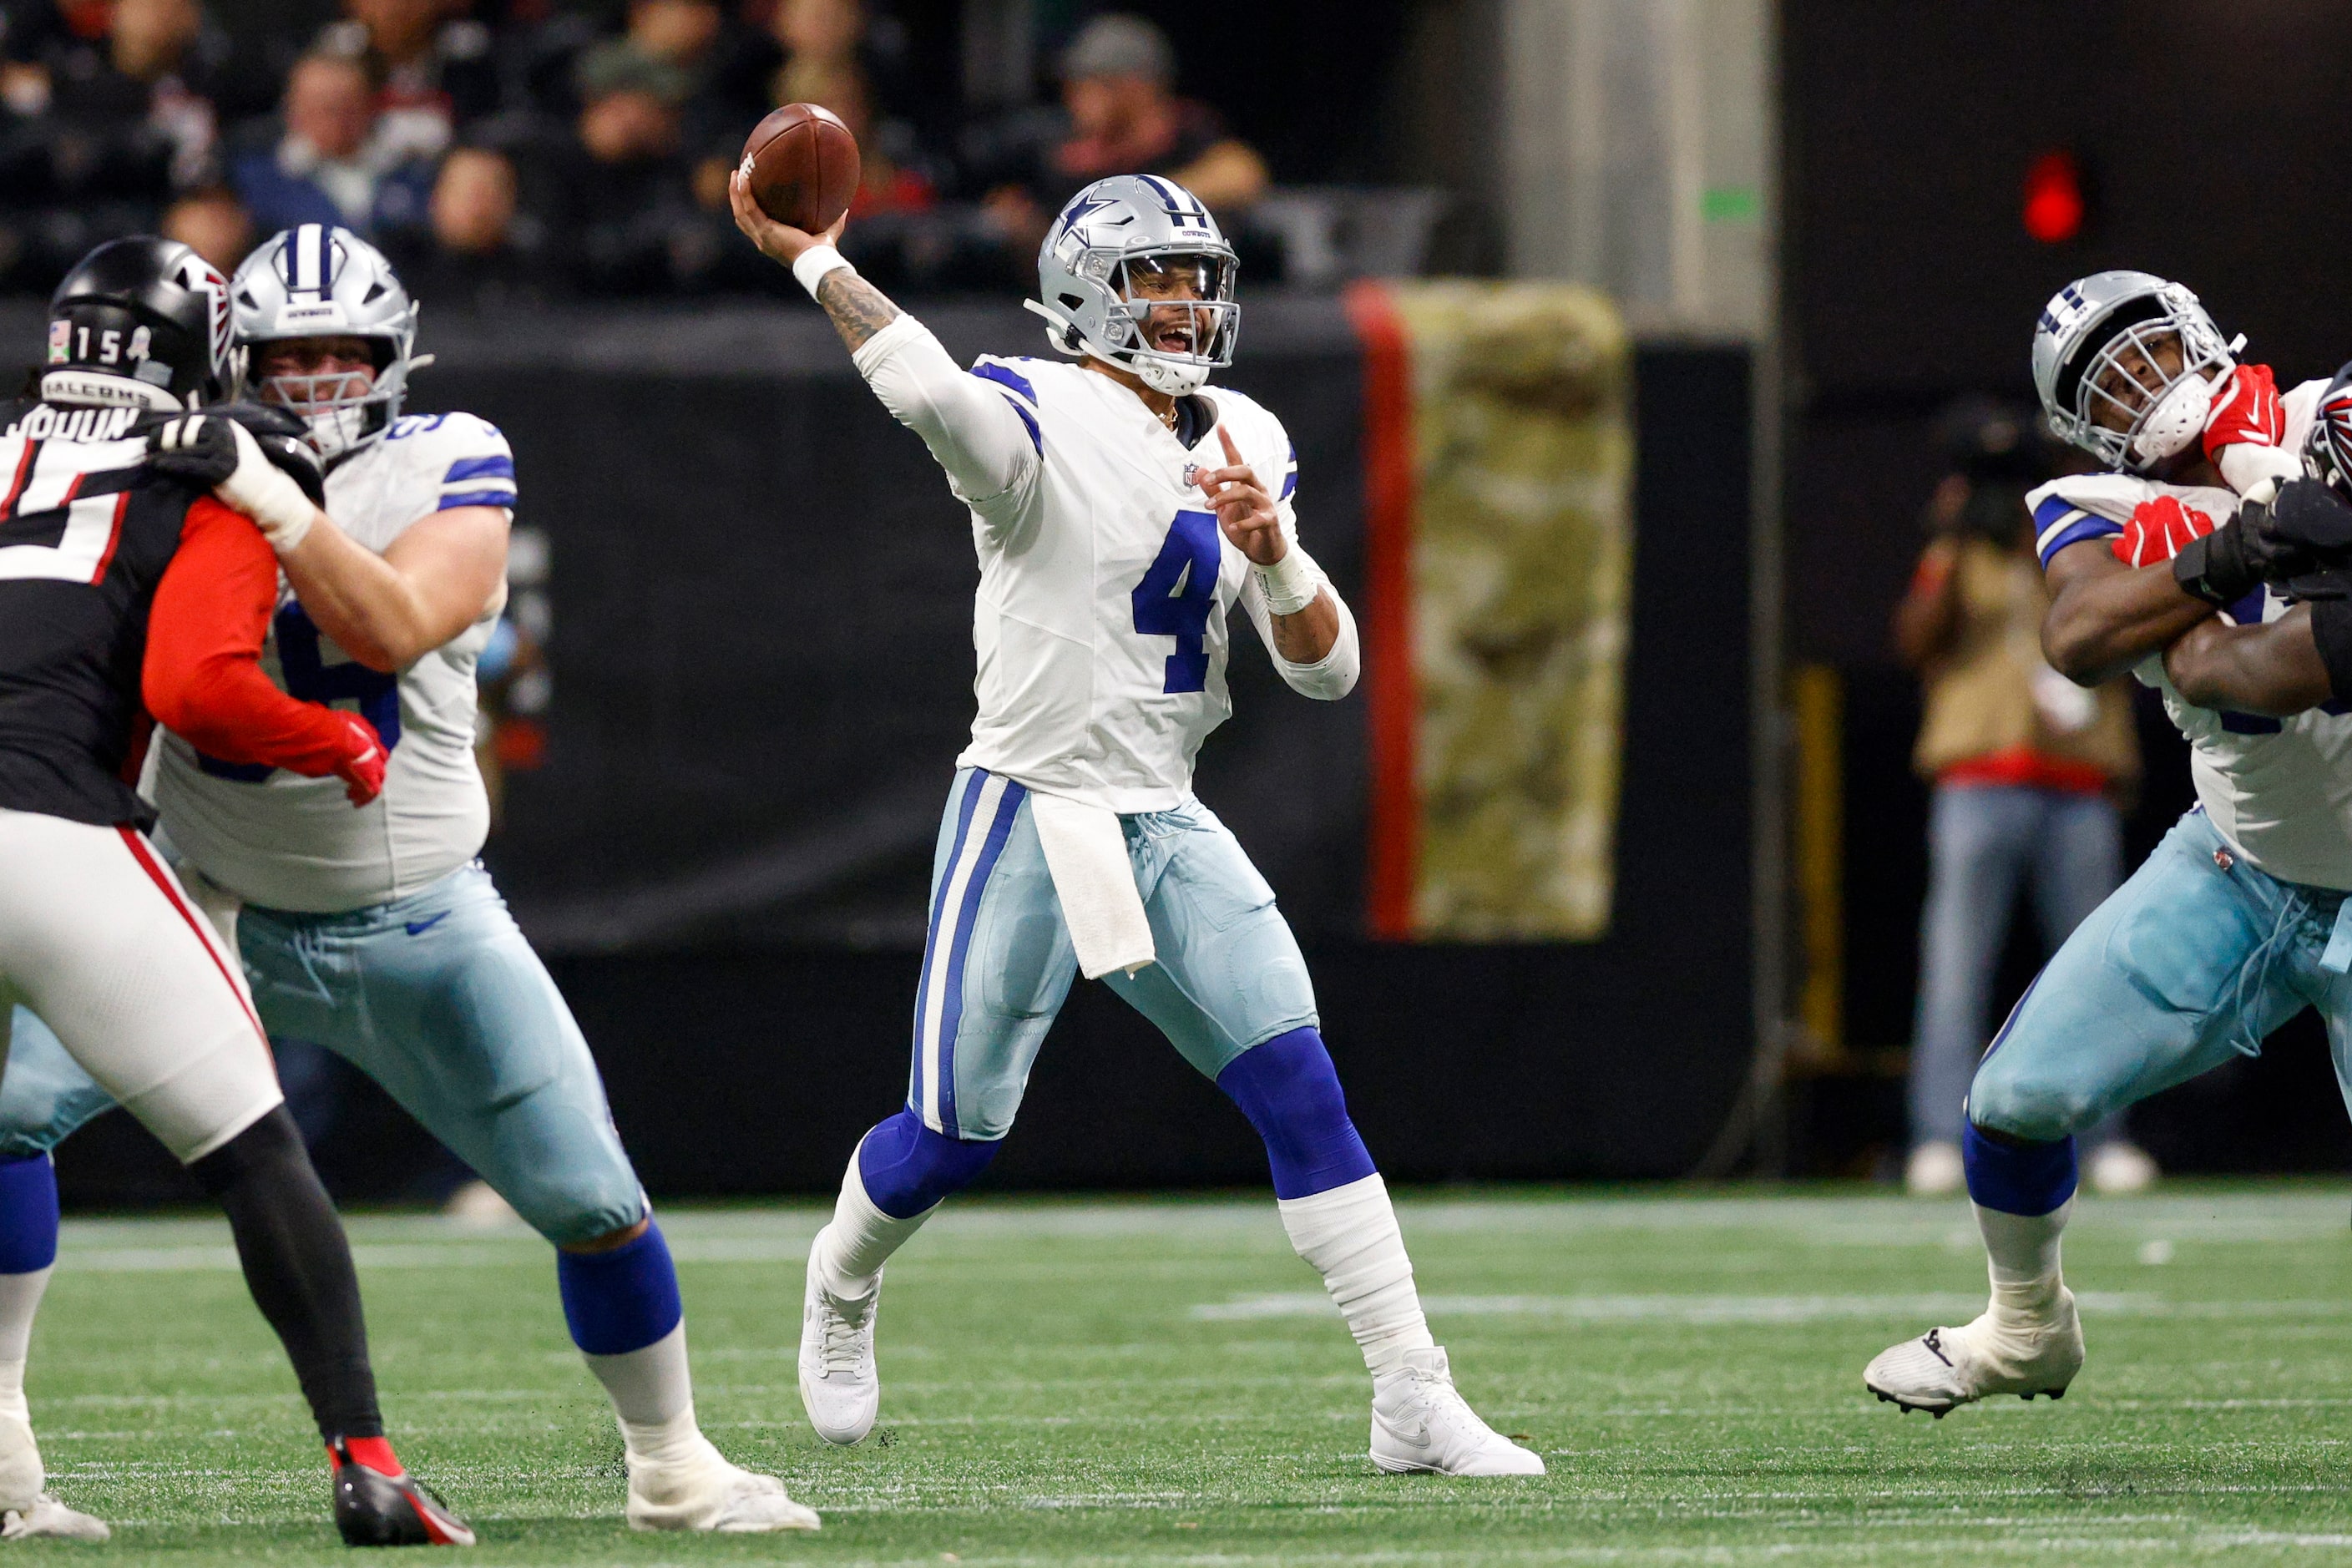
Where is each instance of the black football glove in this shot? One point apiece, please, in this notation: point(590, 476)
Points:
point(198, 448)
point(2302, 532)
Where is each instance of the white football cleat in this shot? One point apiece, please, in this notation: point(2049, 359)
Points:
point(51, 1520)
point(1945, 1368)
point(1419, 1422)
point(1934, 1170)
point(21, 1475)
point(840, 1388)
point(702, 1491)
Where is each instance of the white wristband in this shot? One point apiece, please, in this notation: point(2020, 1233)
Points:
point(814, 263)
point(1290, 585)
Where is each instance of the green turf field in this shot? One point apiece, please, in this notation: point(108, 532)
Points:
point(1119, 1381)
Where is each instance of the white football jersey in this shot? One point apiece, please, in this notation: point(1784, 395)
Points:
point(283, 841)
point(1104, 585)
point(2280, 790)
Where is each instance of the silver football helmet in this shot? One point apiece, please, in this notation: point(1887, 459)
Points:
point(318, 281)
point(1111, 235)
point(2126, 364)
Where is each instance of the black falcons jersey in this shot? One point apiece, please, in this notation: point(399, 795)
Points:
point(86, 531)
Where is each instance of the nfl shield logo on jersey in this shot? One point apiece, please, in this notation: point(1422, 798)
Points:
point(1191, 475)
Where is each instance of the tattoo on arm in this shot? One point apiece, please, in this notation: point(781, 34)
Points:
point(858, 308)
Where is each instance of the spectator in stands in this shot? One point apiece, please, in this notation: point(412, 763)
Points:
point(432, 67)
point(337, 160)
point(214, 223)
point(2027, 767)
point(622, 185)
point(108, 116)
point(482, 251)
point(1120, 114)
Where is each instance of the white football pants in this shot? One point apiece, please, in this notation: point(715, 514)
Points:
point(99, 939)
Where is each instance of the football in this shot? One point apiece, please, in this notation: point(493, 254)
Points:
point(801, 163)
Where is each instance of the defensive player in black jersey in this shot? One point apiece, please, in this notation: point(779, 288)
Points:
point(123, 592)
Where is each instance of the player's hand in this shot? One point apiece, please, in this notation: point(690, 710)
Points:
point(2246, 412)
point(362, 766)
point(779, 242)
point(221, 452)
point(1245, 511)
point(2305, 529)
point(2158, 531)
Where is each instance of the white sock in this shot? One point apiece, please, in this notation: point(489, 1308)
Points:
point(861, 1238)
point(650, 1386)
point(20, 1301)
point(1350, 1233)
point(2021, 1251)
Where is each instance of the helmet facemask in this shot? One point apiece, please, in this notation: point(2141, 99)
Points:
point(2144, 393)
point(343, 406)
point(1135, 273)
point(1173, 318)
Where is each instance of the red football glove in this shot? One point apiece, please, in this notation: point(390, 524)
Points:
point(363, 760)
point(2158, 529)
point(2246, 412)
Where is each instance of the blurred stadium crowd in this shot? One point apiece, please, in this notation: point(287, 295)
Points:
point(520, 150)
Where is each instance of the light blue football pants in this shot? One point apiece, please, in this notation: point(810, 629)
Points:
point(2197, 958)
point(998, 963)
point(440, 1000)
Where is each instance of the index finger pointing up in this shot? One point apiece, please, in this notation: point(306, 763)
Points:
point(1232, 453)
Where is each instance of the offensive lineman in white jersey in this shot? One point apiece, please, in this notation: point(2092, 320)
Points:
point(376, 933)
point(1119, 514)
point(2240, 919)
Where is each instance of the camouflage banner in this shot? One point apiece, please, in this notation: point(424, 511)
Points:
point(1499, 552)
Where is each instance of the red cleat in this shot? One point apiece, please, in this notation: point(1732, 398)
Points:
point(376, 1503)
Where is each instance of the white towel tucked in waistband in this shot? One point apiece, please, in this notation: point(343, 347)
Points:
point(1087, 852)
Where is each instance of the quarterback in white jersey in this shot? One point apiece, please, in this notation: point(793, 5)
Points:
point(2240, 919)
point(1118, 512)
point(376, 933)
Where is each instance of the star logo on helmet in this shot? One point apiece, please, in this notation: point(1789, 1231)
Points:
point(1085, 208)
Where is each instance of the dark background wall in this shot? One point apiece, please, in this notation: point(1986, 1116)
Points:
point(763, 667)
point(2206, 136)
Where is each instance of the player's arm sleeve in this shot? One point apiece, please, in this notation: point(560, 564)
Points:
point(479, 470)
point(981, 428)
point(202, 678)
point(1334, 675)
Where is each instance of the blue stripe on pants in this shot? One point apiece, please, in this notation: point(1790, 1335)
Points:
point(932, 935)
point(939, 1009)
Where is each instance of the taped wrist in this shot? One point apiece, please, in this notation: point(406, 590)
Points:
point(814, 264)
point(2331, 628)
point(2214, 567)
point(1291, 583)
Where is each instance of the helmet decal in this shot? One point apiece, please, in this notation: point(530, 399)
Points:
point(1109, 235)
point(322, 280)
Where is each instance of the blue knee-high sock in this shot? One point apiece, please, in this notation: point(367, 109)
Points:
point(620, 1300)
point(2016, 1177)
point(28, 1214)
point(1290, 1092)
point(906, 1168)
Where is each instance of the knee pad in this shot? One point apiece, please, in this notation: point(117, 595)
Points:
point(2008, 1096)
point(906, 1168)
point(1290, 1092)
point(2015, 1176)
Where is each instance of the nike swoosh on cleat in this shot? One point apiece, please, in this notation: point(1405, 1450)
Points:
point(419, 928)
